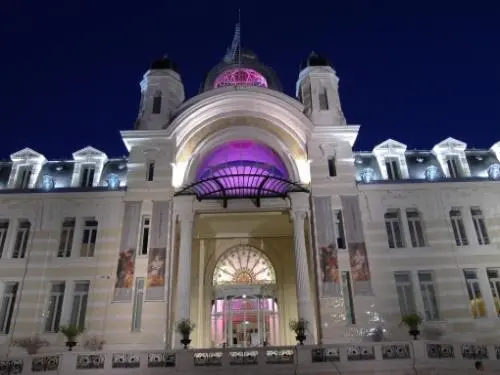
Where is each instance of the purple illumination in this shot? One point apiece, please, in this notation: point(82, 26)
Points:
point(242, 168)
point(240, 77)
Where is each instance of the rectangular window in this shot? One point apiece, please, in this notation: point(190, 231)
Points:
point(457, 225)
point(426, 281)
point(415, 227)
point(89, 238)
point(66, 239)
point(494, 279)
point(480, 226)
point(404, 289)
point(145, 231)
point(323, 100)
point(4, 228)
point(87, 176)
point(79, 305)
point(393, 228)
point(332, 168)
point(392, 168)
point(348, 297)
point(137, 305)
point(157, 103)
point(55, 305)
point(339, 230)
point(476, 301)
point(7, 306)
point(150, 170)
point(453, 165)
point(22, 237)
point(23, 177)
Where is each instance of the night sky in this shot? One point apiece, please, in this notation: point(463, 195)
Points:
point(414, 71)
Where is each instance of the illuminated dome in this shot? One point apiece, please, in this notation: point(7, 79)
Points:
point(240, 77)
point(244, 265)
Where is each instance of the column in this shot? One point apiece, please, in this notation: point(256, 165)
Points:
point(184, 210)
point(299, 210)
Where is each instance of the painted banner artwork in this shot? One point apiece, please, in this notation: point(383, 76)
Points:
point(155, 284)
point(327, 248)
point(358, 257)
point(128, 248)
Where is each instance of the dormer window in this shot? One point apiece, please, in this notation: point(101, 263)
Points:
point(157, 103)
point(24, 177)
point(392, 169)
point(453, 166)
point(87, 176)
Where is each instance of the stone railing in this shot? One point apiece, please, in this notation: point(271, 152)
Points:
point(397, 357)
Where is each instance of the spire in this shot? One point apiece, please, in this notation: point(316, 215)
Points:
point(233, 53)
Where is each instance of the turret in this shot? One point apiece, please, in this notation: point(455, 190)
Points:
point(162, 92)
point(318, 90)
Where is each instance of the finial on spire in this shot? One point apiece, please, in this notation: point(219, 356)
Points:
point(233, 53)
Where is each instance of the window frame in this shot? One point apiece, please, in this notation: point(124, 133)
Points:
point(78, 318)
point(391, 231)
point(55, 304)
point(66, 238)
point(480, 228)
point(416, 228)
point(7, 312)
point(410, 303)
point(21, 244)
point(458, 227)
point(89, 238)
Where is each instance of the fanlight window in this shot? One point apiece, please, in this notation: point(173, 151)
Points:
point(243, 265)
point(240, 77)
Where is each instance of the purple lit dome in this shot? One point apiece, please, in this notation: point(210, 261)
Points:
point(243, 168)
point(240, 77)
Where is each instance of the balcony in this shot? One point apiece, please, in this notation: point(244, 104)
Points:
point(374, 358)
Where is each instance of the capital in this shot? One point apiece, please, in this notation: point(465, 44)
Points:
point(298, 216)
point(328, 149)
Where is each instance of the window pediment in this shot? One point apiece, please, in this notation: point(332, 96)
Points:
point(390, 147)
point(26, 166)
point(28, 156)
point(83, 176)
point(450, 145)
point(452, 151)
point(394, 150)
point(89, 154)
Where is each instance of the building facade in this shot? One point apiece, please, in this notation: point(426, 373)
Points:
point(242, 209)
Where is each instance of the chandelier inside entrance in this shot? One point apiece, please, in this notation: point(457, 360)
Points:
point(241, 169)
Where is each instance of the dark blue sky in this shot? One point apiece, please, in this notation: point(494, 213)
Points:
point(416, 73)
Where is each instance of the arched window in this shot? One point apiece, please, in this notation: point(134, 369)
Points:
point(242, 265)
point(157, 102)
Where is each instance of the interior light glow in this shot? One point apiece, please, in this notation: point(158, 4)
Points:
point(178, 171)
point(304, 168)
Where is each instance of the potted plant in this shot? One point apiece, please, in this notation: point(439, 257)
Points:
point(71, 332)
point(32, 344)
point(299, 327)
point(185, 327)
point(412, 322)
point(94, 343)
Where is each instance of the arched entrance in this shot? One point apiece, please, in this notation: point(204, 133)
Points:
point(245, 310)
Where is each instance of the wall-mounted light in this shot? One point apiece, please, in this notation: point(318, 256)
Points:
point(494, 172)
point(367, 175)
point(419, 159)
point(48, 183)
point(432, 173)
point(113, 182)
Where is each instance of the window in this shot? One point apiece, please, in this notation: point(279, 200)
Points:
point(457, 225)
point(404, 289)
point(339, 226)
point(453, 165)
point(393, 228)
point(392, 168)
point(145, 230)
point(157, 103)
point(66, 239)
point(4, 228)
point(426, 281)
point(137, 306)
point(89, 238)
point(79, 306)
point(323, 100)
point(150, 170)
point(23, 177)
point(22, 236)
point(332, 168)
point(7, 306)
point(55, 305)
point(348, 297)
point(415, 227)
point(476, 302)
point(88, 173)
point(480, 226)
point(494, 279)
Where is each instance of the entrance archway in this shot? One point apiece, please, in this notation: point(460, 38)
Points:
point(245, 309)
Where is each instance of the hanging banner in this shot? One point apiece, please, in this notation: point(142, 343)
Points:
point(358, 257)
point(155, 284)
point(327, 247)
point(128, 248)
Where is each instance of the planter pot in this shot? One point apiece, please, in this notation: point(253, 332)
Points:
point(70, 345)
point(415, 333)
point(185, 341)
point(300, 338)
